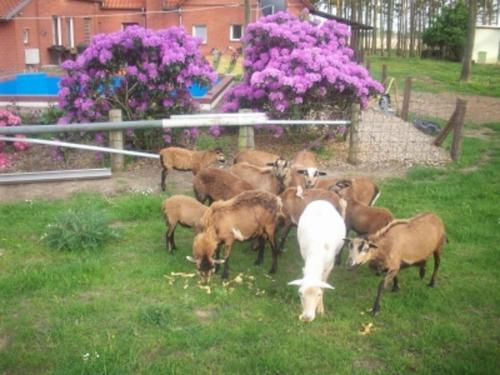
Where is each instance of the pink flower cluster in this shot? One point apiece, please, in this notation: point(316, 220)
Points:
point(144, 72)
point(293, 66)
point(7, 118)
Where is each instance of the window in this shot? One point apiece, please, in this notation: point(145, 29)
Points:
point(128, 24)
point(268, 7)
point(236, 32)
point(56, 30)
point(200, 31)
point(26, 36)
point(71, 32)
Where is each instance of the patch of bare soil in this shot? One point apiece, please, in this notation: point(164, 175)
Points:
point(480, 109)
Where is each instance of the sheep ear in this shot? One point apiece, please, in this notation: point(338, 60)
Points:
point(322, 173)
point(371, 244)
point(219, 261)
point(191, 259)
point(325, 285)
point(301, 171)
point(347, 240)
point(270, 164)
point(297, 282)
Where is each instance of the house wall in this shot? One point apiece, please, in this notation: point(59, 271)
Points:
point(487, 39)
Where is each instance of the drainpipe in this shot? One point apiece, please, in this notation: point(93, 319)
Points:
point(179, 13)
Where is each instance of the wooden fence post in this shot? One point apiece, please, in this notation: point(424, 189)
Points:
point(246, 139)
point(456, 144)
point(449, 126)
point(368, 65)
point(353, 157)
point(116, 141)
point(384, 73)
point(406, 99)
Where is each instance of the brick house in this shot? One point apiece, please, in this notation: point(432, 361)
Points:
point(34, 33)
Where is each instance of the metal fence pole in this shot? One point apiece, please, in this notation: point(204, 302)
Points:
point(116, 141)
point(353, 157)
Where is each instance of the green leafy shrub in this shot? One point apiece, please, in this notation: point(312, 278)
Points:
point(79, 230)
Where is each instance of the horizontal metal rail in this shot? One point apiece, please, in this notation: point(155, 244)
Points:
point(80, 146)
point(176, 121)
point(47, 176)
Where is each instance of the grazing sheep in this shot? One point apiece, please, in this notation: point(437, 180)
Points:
point(400, 244)
point(261, 178)
point(361, 188)
point(295, 200)
point(218, 184)
point(255, 157)
point(248, 215)
point(180, 209)
point(321, 232)
point(182, 159)
point(365, 219)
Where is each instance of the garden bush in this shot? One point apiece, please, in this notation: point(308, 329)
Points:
point(299, 69)
point(85, 229)
point(7, 118)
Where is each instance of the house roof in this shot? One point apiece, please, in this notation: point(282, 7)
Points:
point(123, 4)
point(9, 8)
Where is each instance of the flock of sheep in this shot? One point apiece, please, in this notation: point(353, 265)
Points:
point(262, 193)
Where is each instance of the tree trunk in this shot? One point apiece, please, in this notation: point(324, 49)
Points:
point(375, 29)
point(469, 45)
point(389, 26)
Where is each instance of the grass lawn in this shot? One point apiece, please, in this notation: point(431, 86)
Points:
point(438, 76)
point(113, 311)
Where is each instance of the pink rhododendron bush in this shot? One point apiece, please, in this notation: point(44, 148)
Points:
point(146, 73)
point(299, 69)
point(7, 118)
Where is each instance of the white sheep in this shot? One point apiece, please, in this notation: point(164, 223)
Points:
point(321, 232)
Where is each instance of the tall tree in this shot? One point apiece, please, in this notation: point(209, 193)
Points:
point(390, 11)
point(469, 45)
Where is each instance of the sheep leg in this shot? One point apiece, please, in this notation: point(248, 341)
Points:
point(422, 270)
point(437, 261)
point(227, 254)
point(217, 256)
point(276, 251)
point(284, 234)
point(164, 173)
point(170, 238)
point(260, 255)
point(395, 285)
point(383, 284)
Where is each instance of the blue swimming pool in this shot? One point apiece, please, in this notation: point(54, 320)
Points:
point(43, 84)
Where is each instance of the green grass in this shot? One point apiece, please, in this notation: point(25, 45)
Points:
point(438, 76)
point(113, 311)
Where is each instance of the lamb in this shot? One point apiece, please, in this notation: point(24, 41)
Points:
point(361, 188)
point(295, 200)
point(305, 171)
point(182, 159)
point(218, 184)
point(255, 157)
point(250, 214)
point(400, 244)
point(180, 209)
point(320, 233)
point(260, 178)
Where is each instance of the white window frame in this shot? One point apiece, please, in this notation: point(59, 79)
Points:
point(56, 30)
point(231, 33)
point(71, 31)
point(193, 33)
point(26, 35)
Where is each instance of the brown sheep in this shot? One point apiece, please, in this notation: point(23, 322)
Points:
point(182, 159)
point(295, 200)
point(304, 171)
point(180, 209)
point(250, 214)
point(255, 157)
point(218, 184)
point(261, 178)
point(361, 188)
point(365, 219)
point(400, 244)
